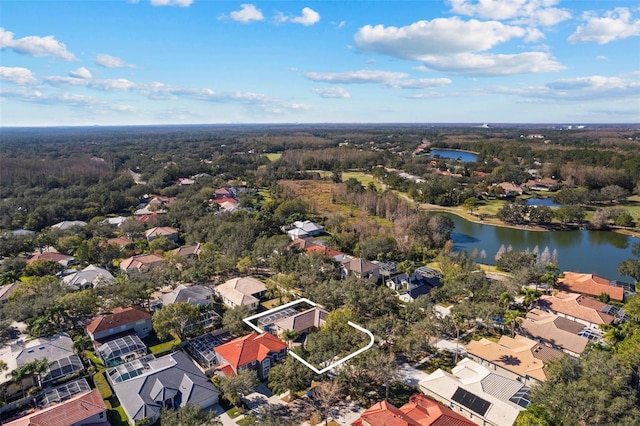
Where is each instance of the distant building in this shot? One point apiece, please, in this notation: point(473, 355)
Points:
point(162, 231)
point(133, 319)
point(140, 263)
point(90, 277)
point(241, 291)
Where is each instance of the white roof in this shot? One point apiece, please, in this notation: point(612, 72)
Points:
point(91, 274)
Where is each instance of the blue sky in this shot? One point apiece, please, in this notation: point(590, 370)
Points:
point(124, 62)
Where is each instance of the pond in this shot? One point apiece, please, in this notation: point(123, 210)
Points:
point(594, 252)
point(541, 202)
point(456, 154)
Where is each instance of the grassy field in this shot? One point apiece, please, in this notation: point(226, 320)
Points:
point(364, 178)
point(273, 156)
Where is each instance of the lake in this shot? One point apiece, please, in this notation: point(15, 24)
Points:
point(542, 202)
point(456, 154)
point(595, 252)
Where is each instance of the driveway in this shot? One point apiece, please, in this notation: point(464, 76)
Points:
point(410, 376)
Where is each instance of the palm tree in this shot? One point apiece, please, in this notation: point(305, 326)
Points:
point(9, 277)
point(458, 321)
point(530, 296)
point(513, 318)
point(505, 300)
point(289, 336)
point(81, 343)
point(17, 376)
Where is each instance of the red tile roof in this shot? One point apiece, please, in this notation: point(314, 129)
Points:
point(577, 306)
point(590, 284)
point(68, 413)
point(327, 251)
point(419, 411)
point(120, 316)
point(253, 347)
point(54, 257)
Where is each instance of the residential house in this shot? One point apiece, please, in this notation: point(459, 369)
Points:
point(241, 291)
point(148, 385)
point(511, 189)
point(90, 277)
point(62, 259)
point(409, 288)
point(419, 411)
point(325, 251)
point(290, 319)
point(555, 331)
point(579, 308)
point(202, 348)
point(225, 193)
point(188, 251)
point(161, 231)
point(476, 393)
point(186, 181)
point(192, 294)
point(258, 352)
point(7, 290)
point(121, 242)
point(542, 184)
point(589, 284)
point(85, 409)
point(360, 268)
point(121, 350)
point(117, 221)
point(195, 295)
point(518, 357)
point(58, 351)
point(140, 263)
point(132, 319)
point(305, 228)
point(68, 224)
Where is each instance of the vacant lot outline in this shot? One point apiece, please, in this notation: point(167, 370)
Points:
point(249, 322)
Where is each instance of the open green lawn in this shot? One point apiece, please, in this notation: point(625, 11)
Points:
point(158, 347)
point(364, 178)
point(273, 156)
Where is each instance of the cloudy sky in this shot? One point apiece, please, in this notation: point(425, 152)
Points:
point(204, 61)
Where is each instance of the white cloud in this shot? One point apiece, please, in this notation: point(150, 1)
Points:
point(247, 13)
point(471, 64)
point(81, 72)
point(17, 75)
point(118, 84)
point(531, 12)
point(308, 17)
point(615, 24)
point(452, 45)
point(332, 93)
point(437, 37)
point(68, 99)
point(356, 77)
point(420, 83)
point(35, 46)
point(180, 3)
point(108, 61)
point(580, 89)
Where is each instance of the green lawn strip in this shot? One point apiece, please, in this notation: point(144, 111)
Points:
point(157, 347)
point(95, 361)
point(247, 420)
point(273, 156)
point(102, 385)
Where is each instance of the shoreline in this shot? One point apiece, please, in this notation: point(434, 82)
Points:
point(496, 222)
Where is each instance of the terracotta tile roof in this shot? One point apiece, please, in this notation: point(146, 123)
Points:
point(140, 261)
point(359, 265)
point(590, 284)
point(576, 306)
point(223, 200)
point(384, 414)
point(54, 257)
point(253, 347)
point(68, 413)
point(120, 241)
point(146, 217)
point(419, 411)
point(520, 355)
point(120, 316)
point(160, 231)
point(553, 330)
point(327, 251)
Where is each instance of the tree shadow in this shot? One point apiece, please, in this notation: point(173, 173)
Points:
point(510, 360)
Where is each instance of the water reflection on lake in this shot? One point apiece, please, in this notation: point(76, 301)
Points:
point(455, 154)
point(597, 252)
point(542, 202)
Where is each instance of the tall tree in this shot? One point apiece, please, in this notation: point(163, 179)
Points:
point(189, 415)
point(175, 318)
point(234, 388)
